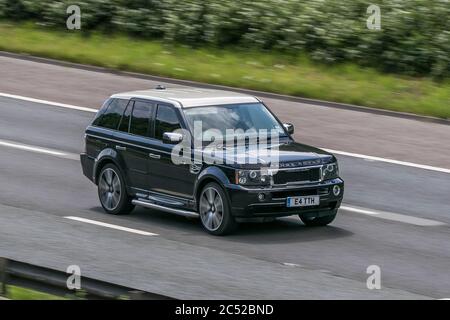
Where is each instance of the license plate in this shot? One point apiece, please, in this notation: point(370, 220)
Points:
point(304, 201)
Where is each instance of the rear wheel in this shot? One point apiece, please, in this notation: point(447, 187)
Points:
point(112, 191)
point(214, 210)
point(318, 221)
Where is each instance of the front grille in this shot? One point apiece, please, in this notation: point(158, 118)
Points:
point(300, 175)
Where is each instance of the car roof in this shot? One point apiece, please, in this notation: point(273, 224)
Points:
point(189, 97)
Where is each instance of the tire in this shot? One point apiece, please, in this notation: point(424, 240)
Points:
point(112, 191)
point(214, 210)
point(318, 222)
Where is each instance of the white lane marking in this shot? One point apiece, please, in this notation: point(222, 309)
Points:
point(395, 217)
point(402, 163)
point(111, 226)
point(344, 153)
point(51, 103)
point(27, 147)
point(288, 264)
point(380, 214)
point(363, 211)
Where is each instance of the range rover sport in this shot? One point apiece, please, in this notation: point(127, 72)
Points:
point(129, 148)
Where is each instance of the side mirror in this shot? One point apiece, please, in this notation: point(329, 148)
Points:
point(172, 137)
point(289, 127)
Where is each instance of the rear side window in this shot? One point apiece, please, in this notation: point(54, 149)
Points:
point(111, 117)
point(125, 121)
point(100, 112)
point(166, 121)
point(140, 118)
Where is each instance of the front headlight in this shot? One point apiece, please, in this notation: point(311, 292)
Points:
point(251, 178)
point(330, 171)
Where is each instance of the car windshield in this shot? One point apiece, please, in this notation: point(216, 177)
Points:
point(232, 121)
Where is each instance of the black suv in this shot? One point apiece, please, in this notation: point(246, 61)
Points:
point(131, 151)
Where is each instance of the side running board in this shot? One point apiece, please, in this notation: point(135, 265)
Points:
point(181, 212)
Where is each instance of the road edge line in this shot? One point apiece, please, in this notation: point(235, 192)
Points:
point(270, 95)
point(380, 159)
point(50, 103)
point(344, 153)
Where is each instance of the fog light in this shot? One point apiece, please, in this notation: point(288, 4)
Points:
point(261, 196)
point(336, 190)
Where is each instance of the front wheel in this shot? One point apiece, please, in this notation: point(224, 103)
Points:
point(112, 191)
point(214, 210)
point(318, 221)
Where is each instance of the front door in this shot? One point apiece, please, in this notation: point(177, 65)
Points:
point(167, 177)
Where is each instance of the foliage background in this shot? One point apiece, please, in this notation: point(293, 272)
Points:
point(414, 40)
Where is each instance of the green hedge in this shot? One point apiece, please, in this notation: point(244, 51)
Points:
point(414, 40)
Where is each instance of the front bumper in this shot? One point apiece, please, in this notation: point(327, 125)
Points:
point(245, 202)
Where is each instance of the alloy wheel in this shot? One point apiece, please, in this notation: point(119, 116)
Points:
point(211, 209)
point(110, 189)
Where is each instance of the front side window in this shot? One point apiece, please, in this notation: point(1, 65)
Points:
point(166, 121)
point(140, 118)
point(111, 117)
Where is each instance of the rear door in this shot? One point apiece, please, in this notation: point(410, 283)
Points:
point(100, 132)
point(132, 140)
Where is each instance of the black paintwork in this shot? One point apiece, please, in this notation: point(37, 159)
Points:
point(149, 171)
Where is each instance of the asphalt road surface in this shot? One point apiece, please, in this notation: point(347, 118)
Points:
point(395, 216)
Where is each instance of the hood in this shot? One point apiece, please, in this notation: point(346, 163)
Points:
point(289, 154)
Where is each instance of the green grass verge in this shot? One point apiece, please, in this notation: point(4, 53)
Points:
point(18, 293)
point(272, 72)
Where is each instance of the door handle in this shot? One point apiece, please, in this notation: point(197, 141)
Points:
point(121, 148)
point(154, 156)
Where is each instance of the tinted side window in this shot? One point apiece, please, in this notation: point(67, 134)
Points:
point(111, 117)
point(125, 121)
point(101, 112)
point(166, 121)
point(140, 118)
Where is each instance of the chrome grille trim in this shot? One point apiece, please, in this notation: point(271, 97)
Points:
point(302, 182)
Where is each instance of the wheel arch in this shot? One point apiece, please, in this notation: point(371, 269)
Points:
point(208, 175)
point(105, 157)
